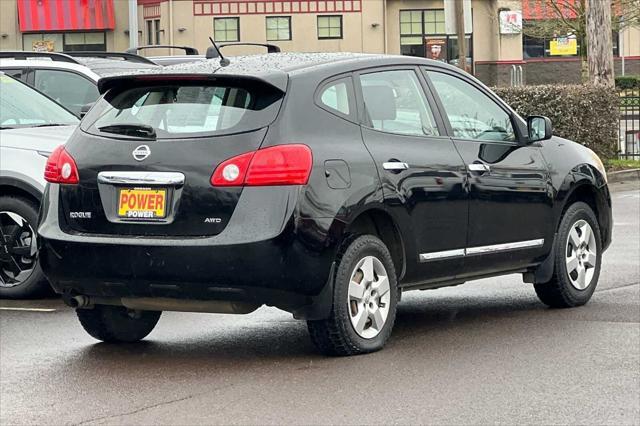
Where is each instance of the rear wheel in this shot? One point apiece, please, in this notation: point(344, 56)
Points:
point(364, 301)
point(117, 324)
point(20, 273)
point(578, 254)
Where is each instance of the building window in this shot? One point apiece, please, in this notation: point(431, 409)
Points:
point(422, 33)
point(65, 42)
point(226, 29)
point(330, 27)
point(434, 21)
point(540, 47)
point(149, 32)
point(278, 28)
point(157, 30)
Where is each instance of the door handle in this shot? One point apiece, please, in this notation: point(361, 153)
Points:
point(395, 166)
point(479, 167)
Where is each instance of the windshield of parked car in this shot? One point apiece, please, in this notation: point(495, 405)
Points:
point(165, 112)
point(23, 106)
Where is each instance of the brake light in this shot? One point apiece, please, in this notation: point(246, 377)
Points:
point(276, 165)
point(61, 167)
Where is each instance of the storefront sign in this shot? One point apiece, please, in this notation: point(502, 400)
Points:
point(436, 48)
point(563, 46)
point(510, 22)
point(43, 46)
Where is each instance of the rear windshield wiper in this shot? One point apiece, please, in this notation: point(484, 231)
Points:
point(135, 130)
point(52, 125)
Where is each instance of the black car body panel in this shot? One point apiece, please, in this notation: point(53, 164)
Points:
point(278, 244)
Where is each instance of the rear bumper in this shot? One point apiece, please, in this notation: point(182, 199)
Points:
point(276, 260)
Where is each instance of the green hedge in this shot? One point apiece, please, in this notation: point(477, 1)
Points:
point(628, 82)
point(585, 114)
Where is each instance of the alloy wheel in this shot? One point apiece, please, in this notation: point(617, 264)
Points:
point(581, 254)
point(18, 249)
point(369, 297)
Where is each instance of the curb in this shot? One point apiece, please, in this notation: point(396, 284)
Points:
point(624, 176)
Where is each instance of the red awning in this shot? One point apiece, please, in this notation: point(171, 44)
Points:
point(65, 15)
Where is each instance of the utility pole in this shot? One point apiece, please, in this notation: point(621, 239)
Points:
point(599, 46)
point(462, 41)
point(133, 23)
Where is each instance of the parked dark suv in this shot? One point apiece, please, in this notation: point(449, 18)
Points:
point(322, 184)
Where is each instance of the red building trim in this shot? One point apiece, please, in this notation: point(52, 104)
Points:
point(273, 7)
point(151, 10)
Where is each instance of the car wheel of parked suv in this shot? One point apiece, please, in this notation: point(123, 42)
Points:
point(20, 273)
point(577, 260)
point(116, 324)
point(365, 297)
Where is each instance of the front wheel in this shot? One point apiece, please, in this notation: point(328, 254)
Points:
point(364, 301)
point(578, 255)
point(117, 324)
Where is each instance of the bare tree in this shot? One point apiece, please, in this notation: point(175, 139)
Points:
point(569, 17)
point(600, 49)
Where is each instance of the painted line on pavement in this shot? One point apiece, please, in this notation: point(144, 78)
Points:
point(3, 308)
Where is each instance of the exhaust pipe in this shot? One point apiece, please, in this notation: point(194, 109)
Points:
point(76, 302)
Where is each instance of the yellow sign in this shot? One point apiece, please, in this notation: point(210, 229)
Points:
point(563, 46)
point(42, 46)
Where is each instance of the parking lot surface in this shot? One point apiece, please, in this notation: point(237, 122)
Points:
point(485, 352)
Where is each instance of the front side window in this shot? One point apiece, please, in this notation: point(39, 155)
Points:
point(329, 27)
point(69, 89)
point(278, 28)
point(395, 103)
point(226, 29)
point(21, 106)
point(471, 113)
point(184, 110)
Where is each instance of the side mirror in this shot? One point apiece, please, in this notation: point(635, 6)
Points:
point(85, 109)
point(539, 128)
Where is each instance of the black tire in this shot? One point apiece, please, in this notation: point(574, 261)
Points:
point(117, 324)
point(36, 284)
point(559, 292)
point(336, 335)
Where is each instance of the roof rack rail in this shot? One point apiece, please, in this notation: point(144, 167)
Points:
point(130, 57)
point(187, 49)
point(23, 54)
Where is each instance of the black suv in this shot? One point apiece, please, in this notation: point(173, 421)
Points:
point(322, 184)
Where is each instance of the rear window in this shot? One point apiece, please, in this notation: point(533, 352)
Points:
point(179, 111)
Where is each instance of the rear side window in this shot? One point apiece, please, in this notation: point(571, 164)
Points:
point(188, 110)
point(336, 97)
point(67, 88)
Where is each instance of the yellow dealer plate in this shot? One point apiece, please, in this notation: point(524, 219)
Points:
point(142, 203)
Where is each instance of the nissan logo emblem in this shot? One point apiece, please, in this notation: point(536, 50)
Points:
point(141, 152)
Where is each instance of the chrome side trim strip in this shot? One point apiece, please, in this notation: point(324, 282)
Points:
point(141, 178)
point(447, 254)
point(439, 255)
point(505, 247)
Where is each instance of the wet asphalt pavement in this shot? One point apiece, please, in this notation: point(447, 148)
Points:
point(485, 352)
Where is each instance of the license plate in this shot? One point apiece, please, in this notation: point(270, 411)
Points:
point(142, 203)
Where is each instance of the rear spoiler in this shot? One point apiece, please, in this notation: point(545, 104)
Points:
point(187, 49)
point(212, 53)
point(129, 57)
point(276, 79)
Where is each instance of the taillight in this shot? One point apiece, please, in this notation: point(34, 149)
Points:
point(61, 168)
point(276, 165)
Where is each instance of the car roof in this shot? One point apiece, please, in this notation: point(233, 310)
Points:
point(273, 68)
point(92, 67)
